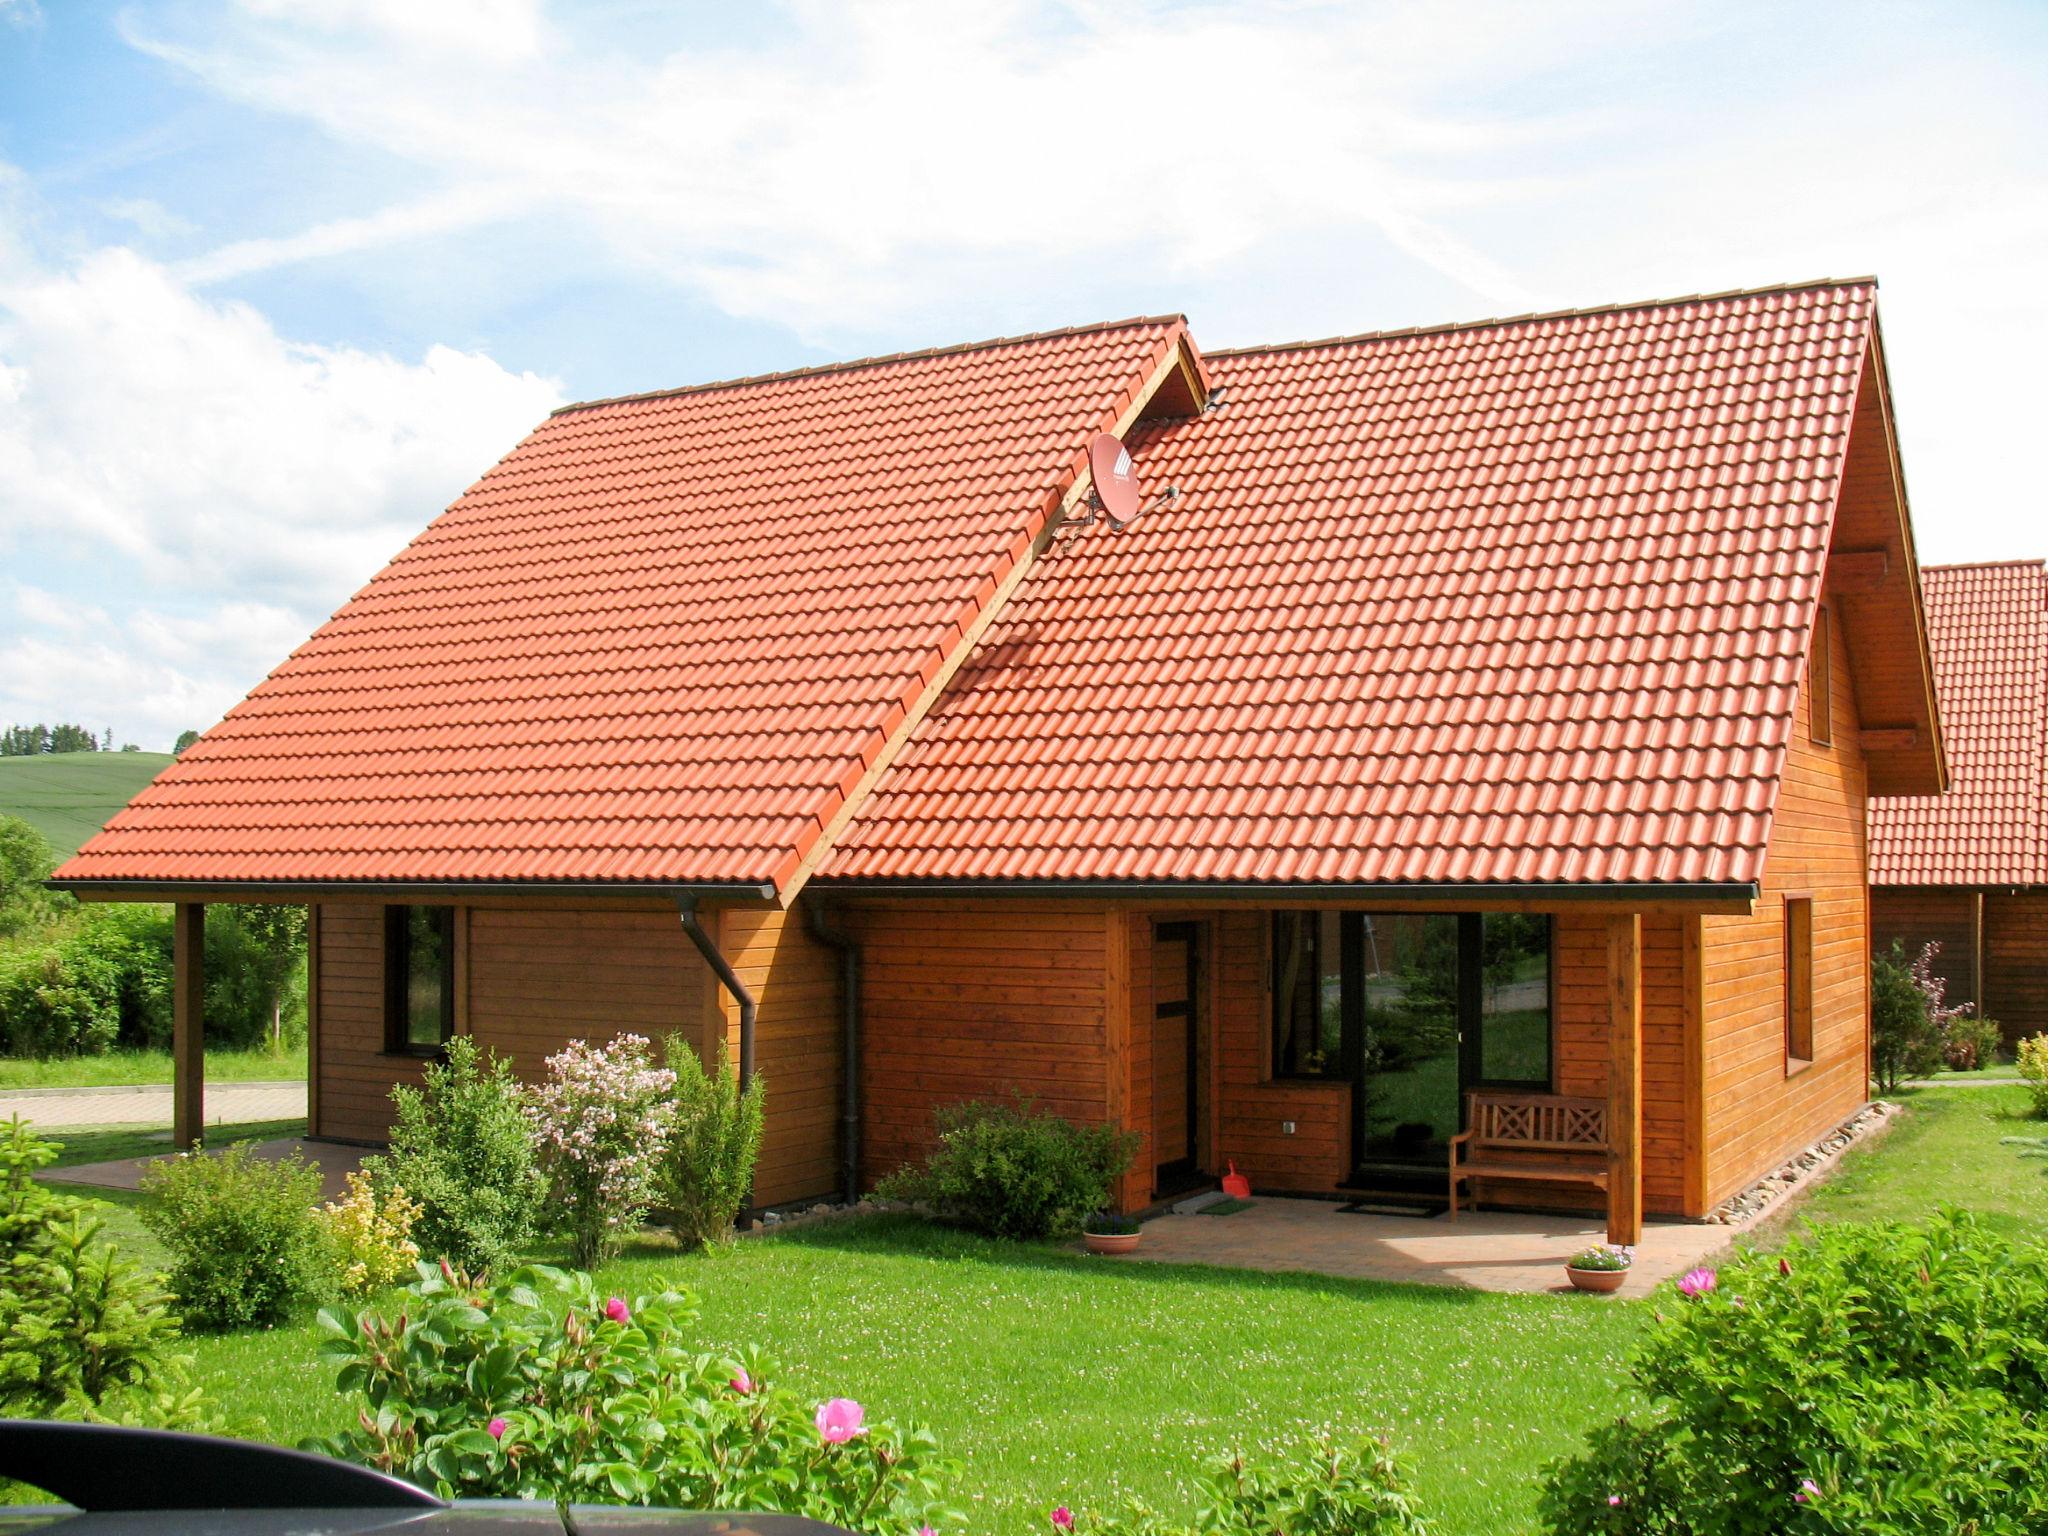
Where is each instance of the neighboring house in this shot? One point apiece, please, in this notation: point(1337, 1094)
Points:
point(1969, 869)
point(1490, 707)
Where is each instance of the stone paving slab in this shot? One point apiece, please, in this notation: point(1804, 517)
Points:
point(334, 1161)
point(150, 1104)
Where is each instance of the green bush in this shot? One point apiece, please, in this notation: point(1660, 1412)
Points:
point(601, 1120)
point(83, 1332)
point(1882, 1380)
point(714, 1138)
point(461, 1148)
point(1011, 1171)
point(532, 1387)
point(26, 904)
point(2032, 1061)
point(1903, 1040)
point(1969, 1043)
point(246, 1246)
point(1329, 1488)
point(57, 1001)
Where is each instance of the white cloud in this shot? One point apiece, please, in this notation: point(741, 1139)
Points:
point(230, 485)
point(488, 29)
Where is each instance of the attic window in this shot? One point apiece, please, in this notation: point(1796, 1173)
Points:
point(1820, 681)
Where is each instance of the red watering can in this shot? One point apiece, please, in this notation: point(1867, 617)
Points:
point(1236, 1185)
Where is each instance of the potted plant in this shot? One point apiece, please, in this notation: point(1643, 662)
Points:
point(1105, 1232)
point(1602, 1267)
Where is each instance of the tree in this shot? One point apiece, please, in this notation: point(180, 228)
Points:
point(73, 738)
point(280, 941)
point(185, 739)
point(1904, 1041)
point(25, 862)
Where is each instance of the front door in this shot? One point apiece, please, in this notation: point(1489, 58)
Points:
point(1176, 1015)
point(1404, 1044)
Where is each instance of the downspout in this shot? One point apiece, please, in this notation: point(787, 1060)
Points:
point(686, 906)
point(849, 1010)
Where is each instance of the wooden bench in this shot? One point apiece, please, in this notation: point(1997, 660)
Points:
point(1541, 1137)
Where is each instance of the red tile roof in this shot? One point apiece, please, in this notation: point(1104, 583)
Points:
point(658, 642)
point(1988, 629)
point(1524, 602)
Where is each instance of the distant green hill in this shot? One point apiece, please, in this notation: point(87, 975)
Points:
point(68, 796)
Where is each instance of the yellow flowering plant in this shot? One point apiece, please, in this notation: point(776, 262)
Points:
point(371, 1236)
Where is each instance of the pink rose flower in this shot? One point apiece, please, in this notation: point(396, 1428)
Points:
point(496, 1429)
point(742, 1383)
point(1697, 1282)
point(1807, 1489)
point(1063, 1518)
point(838, 1420)
point(1613, 1499)
point(617, 1310)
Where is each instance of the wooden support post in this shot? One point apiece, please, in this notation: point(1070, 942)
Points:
point(1625, 1079)
point(188, 1024)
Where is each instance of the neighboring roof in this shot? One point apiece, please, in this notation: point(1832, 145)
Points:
point(1518, 603)
point(1988, 627)
point(658, 643)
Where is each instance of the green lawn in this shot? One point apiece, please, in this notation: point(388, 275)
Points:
point(1944, 1146)
point(104, 1143)
point(68, 796)
point(127, 1068)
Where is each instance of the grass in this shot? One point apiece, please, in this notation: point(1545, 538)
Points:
point(105, 1143)
point(68, 796)
point(135, 1068)
point(1944, 1146)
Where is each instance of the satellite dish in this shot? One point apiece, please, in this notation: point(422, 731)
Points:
point(1116, 477)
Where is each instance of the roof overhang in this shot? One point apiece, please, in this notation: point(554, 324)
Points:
point(300, 892)
point(1734, 897)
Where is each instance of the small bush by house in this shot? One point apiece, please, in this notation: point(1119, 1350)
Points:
point(1970, 1043)
point(1880, 1380)
point(84, 1333)
point(2032, 1061)
point(714, 1140)
point(1012, 1171)
point(369, 1234)
point(462, 1150)
point(246, 1247)
point(601, 1121)
point(535, 1386)
point(1904, 1041)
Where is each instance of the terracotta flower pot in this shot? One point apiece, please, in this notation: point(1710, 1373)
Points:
point(1602, 1280)
point(1111, 1242)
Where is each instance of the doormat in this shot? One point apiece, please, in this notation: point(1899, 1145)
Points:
point(1394, 1208)
point(1224, 1208)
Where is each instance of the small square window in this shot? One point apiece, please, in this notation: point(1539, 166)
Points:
point(419, 979)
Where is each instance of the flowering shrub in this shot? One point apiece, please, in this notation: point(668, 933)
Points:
point(601, 1122)
point(534, 1387)
point(1012, 1171)
point(245, 1247)
point(371, 1234)
point(2032, 1061)
point(1882, 1380)
point(1329, 1489)
point(462, 1149)
point(1605, 1257)
point(714, 1140)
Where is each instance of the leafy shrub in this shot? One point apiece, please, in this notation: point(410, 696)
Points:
point(714, 1138)
point(601, 1122)
point(530, 1387)
point(246, 1248)
point(1970, 1043)
point(370, 1234)
point(1012, 1171)
point(461, 1149)
point(26, 904)
point(1357, 1489)
point(1875, 1379)
point(55, 1001)
point(2032, 1061)
point(83, 1332)
point(1903, 1039)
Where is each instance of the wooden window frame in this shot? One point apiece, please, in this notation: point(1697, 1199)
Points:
point(398, 1039)
point(1797, 924)
point(1820, 680)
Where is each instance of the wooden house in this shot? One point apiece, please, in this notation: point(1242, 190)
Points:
point(1968, 870)
point(1476, 721)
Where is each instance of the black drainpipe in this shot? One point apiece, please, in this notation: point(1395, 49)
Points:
point(849, 1008)
point(687, 907)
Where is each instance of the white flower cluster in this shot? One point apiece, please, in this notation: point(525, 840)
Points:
point(602, 1122)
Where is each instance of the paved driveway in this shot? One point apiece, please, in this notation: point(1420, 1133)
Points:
point(226, 1104)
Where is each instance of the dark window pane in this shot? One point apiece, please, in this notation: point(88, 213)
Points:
point(1308, 995)
point(1411, 1032)
point(418, 959)
point(1514, 1007)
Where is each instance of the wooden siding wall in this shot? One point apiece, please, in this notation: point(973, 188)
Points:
point(2016, 961)
point(530, 979)
point(965, 999)
point(1581, 1044)
point(1756, 1111)
point(797, 1048)
point(1913, 915)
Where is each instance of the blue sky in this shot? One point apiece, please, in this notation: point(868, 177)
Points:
point(278, 278)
